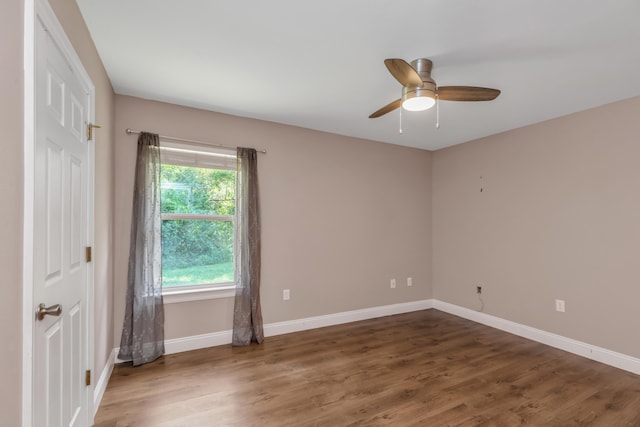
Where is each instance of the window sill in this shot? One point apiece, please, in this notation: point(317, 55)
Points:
point(177, 295)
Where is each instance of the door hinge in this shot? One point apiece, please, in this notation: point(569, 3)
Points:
point(89, 254)
point(87, 377)
point(90, 127)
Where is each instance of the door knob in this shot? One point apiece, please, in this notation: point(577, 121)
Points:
point(54, 310)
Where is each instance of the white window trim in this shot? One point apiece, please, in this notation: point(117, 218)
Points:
point(196, 217)
point(171, 296)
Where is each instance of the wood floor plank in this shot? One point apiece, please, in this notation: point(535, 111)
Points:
point(425, 368)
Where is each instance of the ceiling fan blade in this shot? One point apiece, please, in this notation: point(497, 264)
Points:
point(386, 109)
point(466, 93)
point(403, 72)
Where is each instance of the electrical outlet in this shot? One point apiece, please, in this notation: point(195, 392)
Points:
point(560, 305)
point(409, 281)
point(478, 289)
point(286, 294)
point(393, 283)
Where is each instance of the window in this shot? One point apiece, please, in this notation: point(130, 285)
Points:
point(198, 205)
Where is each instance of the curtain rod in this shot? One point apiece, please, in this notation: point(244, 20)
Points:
point(192, 141)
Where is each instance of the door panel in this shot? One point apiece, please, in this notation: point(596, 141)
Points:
point(53, 366)
point(53, 199)
point(60, 235)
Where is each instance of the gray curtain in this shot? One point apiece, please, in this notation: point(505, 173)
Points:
point(247, 315)
point(143, 330)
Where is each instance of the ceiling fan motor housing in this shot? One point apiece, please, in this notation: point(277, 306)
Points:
point(423, 68)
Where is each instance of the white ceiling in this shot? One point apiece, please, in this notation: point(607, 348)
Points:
point(319, 64)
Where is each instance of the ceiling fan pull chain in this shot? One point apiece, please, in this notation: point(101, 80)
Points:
point(437, 111)
point(400, 130)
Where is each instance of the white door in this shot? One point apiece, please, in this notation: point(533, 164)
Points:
point(60, 271)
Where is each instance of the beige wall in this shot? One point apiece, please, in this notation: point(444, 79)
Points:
point(340, 216)
point(11, 187)
point(69, 16)
point(558, 217)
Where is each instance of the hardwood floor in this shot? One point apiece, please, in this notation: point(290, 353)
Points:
point(426, 368)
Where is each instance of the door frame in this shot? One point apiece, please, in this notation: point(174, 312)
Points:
point(41, 10)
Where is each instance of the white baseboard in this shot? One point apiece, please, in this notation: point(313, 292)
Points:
point(196, 342)
point(193, 342)
point(599, 354)
point(297, 325)
point(103, 380)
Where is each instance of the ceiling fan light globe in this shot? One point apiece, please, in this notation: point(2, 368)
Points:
point(418, 103)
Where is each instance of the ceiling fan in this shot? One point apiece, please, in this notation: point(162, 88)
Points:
point(420, 91)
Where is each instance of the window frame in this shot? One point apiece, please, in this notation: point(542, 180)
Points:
point(176, 294)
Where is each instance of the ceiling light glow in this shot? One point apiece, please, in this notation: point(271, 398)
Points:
point(418, 103)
